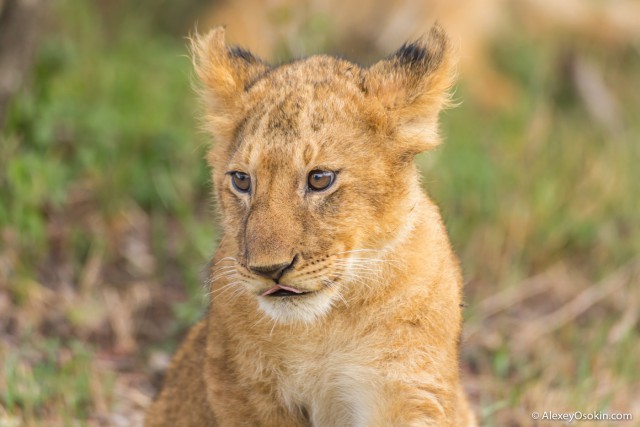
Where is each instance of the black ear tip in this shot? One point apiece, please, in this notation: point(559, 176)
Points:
point(427, 51)
point(411, 53)
point(238, 52)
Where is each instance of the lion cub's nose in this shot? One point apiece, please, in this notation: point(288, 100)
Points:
point(273, 271)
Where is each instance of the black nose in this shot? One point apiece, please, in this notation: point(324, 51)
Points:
point(273, 271)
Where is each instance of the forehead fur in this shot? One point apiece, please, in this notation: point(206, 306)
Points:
point(397, 98)
point(307, 95)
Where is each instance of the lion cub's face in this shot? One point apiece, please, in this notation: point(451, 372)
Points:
point(312, 163)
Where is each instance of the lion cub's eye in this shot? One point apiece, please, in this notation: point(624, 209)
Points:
point(241, 181)
point(320, 180)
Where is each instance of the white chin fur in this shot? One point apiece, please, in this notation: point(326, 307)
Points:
point(304, 309)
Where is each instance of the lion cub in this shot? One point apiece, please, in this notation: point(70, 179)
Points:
point(335, 294)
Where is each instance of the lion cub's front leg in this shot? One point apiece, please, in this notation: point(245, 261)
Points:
point(238, 397)
point(411, 405)
point(396, 404)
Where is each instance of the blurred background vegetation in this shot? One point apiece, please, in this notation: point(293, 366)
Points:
point(106, 219)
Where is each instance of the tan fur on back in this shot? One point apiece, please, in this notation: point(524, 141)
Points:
point(374, 340)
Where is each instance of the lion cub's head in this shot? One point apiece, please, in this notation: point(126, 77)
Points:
point(313, 165)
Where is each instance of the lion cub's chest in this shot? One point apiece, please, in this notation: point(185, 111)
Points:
point(334, 382)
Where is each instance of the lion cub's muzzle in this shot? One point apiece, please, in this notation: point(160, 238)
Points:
point(275, 272)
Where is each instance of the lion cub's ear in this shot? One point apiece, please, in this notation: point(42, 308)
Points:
point(224, 73)
point(412, 85)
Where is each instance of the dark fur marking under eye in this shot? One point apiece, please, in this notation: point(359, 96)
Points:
point(331, 203)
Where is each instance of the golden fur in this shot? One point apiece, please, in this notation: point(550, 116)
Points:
point(375, 341)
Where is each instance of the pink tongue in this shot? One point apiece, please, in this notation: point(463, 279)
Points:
point(286, 288)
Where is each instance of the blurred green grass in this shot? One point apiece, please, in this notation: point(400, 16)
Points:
point(106, 133)
point(116, 115)
point(105, 126)
point(48, 380)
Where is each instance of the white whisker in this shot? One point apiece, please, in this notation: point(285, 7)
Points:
point(228, 258)
point(229, 286)
point(221, 275)
point(331, 283)
point(273, 327)
point(355, 251)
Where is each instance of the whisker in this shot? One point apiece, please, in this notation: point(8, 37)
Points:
point(361, 281)
point(229, 286)
point(365, 261)
point(225, 268)
point(228, 267)
point(232, 283)
point(227, 258)
point(367, 279)
point(355, 259)
point(261, 319)
point(273, 327)
point(356, 250)
point(358, 264)
point(221, 275)
point(360, 268)
point(331, 283)
point(214, 277)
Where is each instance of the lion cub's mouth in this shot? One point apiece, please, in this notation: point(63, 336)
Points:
point(284, 291)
